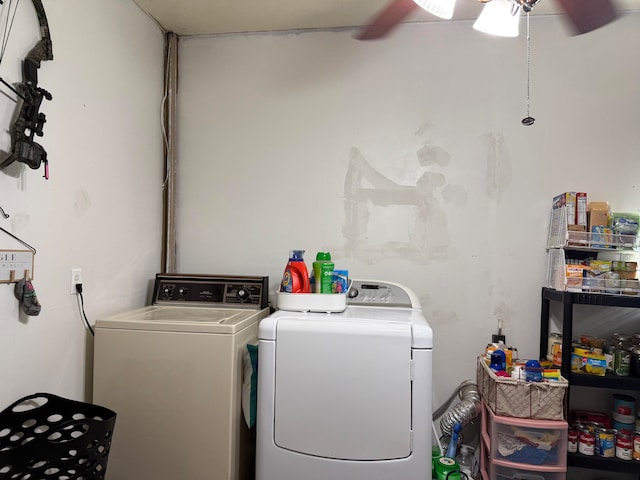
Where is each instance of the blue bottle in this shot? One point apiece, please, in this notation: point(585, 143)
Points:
point(533, 371)
point(498, 360)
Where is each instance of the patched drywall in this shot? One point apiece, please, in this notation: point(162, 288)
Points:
point(406, 158)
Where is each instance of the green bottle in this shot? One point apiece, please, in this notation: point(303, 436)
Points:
point(447, 469)
point(323, 272)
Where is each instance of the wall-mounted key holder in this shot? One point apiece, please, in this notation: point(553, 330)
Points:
point(16, 264)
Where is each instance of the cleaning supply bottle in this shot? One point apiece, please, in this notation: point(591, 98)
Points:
point(465, 461)
point(323, 272)
point(295, 278)
point(453, 443)
point(497, 361)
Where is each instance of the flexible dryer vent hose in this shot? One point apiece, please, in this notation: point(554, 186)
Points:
point(464, 411)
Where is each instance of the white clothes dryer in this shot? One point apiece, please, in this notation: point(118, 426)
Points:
point(346, 396)
point(173, 373)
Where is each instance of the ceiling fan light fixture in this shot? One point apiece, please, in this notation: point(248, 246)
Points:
point(500, 18)
point(439, 8)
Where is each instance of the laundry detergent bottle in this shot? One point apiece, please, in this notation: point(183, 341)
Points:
point(295, 278)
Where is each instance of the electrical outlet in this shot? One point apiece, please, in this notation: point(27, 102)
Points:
point(76, 278)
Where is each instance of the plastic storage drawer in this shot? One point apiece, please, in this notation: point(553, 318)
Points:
point(505, 473)
point(527, 444)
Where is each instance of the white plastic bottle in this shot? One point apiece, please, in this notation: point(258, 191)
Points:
point(465, 460)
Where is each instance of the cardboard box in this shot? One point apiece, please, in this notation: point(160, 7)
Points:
point(624, 275)
point(568, 200)
point(588, 364)
point(601, 266)
point(581, 209)
point(598, 214)
point(623, 266)
point(574, 274)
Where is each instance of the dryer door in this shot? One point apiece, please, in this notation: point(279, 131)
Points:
point(343, 388)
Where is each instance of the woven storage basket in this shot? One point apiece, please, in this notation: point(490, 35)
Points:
point(511, 397)
point(43, 436)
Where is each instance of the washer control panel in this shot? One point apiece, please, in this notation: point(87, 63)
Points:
point(211, 290)
point(379, 294)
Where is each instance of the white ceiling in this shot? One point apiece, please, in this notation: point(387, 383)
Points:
point(202, 17)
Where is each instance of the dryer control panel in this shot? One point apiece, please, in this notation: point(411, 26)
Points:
point(211, 290)
point(381, 294)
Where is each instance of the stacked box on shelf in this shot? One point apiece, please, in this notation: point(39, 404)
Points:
point(516, 398)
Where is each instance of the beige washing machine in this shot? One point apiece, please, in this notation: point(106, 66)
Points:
point(172, 372)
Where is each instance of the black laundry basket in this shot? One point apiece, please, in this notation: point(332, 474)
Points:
point(43, 436)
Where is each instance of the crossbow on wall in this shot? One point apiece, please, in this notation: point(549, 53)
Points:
point(29, 120)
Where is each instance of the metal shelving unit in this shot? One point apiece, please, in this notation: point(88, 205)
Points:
point(599, 463)
point(562, 244)
point(609, 381)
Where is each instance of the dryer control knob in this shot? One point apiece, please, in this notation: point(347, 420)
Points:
point(167, 292)
point(353, 293)
point(243, 294)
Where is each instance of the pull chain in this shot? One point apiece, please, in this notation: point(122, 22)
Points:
point(528, 120)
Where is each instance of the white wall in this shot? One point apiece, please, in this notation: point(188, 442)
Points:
point(281, 134)
point(101, 209)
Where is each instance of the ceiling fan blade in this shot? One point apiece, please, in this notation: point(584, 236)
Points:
point(587, 15)
point(388, 18)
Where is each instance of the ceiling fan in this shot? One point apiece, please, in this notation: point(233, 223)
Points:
point(583, 15)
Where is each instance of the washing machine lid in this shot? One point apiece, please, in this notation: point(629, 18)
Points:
point(184, 319)
point(368, 364)
point(412, 318)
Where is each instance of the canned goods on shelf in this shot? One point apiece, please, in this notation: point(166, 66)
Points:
point(553, 339)
point(597, 345)
point(592, 426)
point(624, 408)
point(621, 362)
point(624, 446)
point(572, 440)
point(608, 351)
point(634, 363)
point(636, 446)
point(605, 442)
point(623, 341)
point(586, 441)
